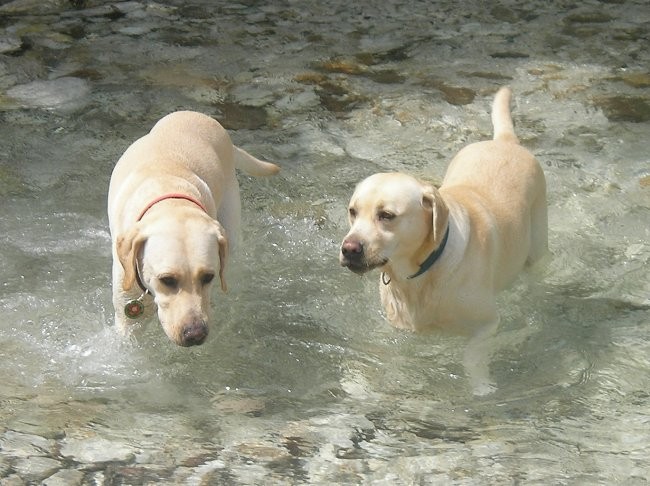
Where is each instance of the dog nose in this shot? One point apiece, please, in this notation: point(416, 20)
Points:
point(195, 334)
point(352, 249)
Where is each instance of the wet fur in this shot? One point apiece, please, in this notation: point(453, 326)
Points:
point(189, 153)
point(493, 198)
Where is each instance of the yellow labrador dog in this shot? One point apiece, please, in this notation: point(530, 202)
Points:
point(445, 253)
point(174, 209)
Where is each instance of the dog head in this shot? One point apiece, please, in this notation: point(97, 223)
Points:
point(177, 260)
point(395, 220)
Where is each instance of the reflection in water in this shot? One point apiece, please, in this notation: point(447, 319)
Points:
point(302, 380)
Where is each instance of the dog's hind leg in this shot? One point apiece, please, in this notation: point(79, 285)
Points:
point(229, 214)
point(538, 232)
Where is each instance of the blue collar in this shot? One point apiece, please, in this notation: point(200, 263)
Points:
point(431, 259)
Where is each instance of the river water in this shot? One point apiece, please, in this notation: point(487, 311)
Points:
point(302, 381)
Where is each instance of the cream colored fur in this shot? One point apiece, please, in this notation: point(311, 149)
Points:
point(493, 199)
point(177, 247)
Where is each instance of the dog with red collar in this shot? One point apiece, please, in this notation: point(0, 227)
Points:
point(174, 213)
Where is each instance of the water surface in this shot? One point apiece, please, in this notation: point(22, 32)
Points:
point(302, 381)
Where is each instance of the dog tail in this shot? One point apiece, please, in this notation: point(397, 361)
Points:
point(253, 166)
point(501, 119)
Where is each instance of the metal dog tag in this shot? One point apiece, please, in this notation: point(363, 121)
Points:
point(134, 308)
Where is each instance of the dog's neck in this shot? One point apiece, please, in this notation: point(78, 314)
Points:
point(174, 195)
point(433, 257)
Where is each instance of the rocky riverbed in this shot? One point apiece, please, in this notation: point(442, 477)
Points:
point(302, 380)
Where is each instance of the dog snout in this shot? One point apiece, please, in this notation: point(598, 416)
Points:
point(194, 334)
point(352, 249)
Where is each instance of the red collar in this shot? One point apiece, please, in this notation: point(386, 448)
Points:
point(170, 196)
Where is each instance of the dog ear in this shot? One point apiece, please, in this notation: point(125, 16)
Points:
point(223, 253)
point(433, 201)
point(128, 247)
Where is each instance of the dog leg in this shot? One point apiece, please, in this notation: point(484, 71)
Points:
point(229, 215)
point(538, 231)
point(476, 359)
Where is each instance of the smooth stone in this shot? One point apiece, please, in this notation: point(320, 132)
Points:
point(9, 44)
point(57, 93)
point(65, 477)
point(36, 468)
point(96, 450)
point(24, 445)
point(624, 108)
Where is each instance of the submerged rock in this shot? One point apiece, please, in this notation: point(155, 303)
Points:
point(9, 44)
point(235, 116)
point(61, 93)
point(34, 7)
point(11, 182)
point(624, 108)
point(36, 468)
point(95, 450)
point(454, 95)
point(637, 80)
point(65, 477)
point(334, 93)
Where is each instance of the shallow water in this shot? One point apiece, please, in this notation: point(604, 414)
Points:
point(302, 380)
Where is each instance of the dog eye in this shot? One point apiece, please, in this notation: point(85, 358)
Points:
point(386, 216)
point(352, 212)
point(207, 278)
point(169, 282)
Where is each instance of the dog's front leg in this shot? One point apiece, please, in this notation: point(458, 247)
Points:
point(123, 323)
point(476, 358)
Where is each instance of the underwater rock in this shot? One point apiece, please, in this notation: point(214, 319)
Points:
point(34, 7)
point(9, 44)
point(334, 95)
point(95, 450)
point(341, 66)
point(454, 95)
point(580, 24)
point(302, 100)
point(504, 14)
point(386, 76)
point(235, 116)
point(588, 17)
point(509, 55)
point(487, 75)
point(395, 54)
point(637, 80)
point(624, 108)
point(61, 93)
point(22, 445)
point(36, 468)
point(65, 477)
point(11, 183)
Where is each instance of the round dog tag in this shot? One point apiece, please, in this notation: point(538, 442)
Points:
point(134, 309)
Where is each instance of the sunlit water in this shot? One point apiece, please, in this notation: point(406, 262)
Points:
point(302, 380)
